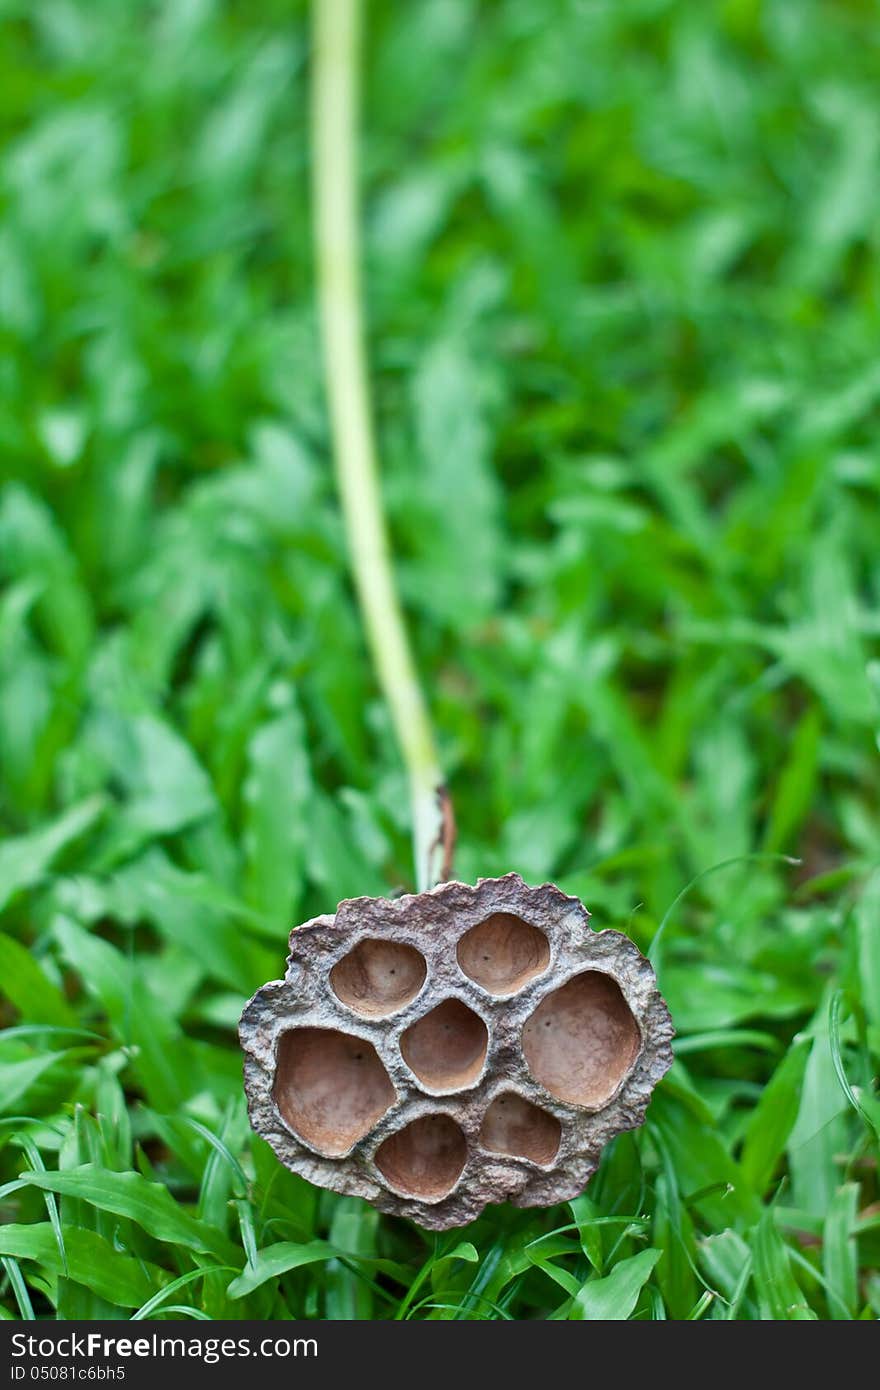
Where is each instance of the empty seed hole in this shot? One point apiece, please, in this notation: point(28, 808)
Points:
point(330, 1088)
point(513, 1125)
point(592, 1042)
point(426, 1158)
point(503, 953)
point(447, 1047)
point(378, 977)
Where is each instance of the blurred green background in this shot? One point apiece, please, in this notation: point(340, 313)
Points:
point(622, 277)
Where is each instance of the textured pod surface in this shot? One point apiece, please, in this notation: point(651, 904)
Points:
point(440, 1051)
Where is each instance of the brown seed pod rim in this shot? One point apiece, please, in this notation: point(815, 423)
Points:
point(434, 922)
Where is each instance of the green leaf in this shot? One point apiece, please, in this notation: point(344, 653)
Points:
point(773, 1118)
point(819, 1132)
point(31, 717)
point(840, 1262)
point(148, 1204)
point(279, 1259)
point(276, 827)
point(336, 861)
point(92, 1261)
point(614, 1297)
point(32, 543)
point(705, 1170)
point(726, 1260)
point(166, 787)
point(774, 1281)
point(868, 937)
point(464, 1250)
point(35, 1159)
point(186, 909)
point(542, 1258)
point(585, 1213)
point(795, 788)
point(673, 1234)
point(37, 999)
point(160, 1299)
point(83, 1144)
point(26, 859)
point(138, 1021)
point(19, 1288)
point(459, 543)
point(17, 1078)
point(353, 1231)
point(865, 1108)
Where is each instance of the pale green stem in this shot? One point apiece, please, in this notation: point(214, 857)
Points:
point(335, 100)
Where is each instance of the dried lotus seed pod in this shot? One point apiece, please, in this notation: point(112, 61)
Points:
point(436, 1052)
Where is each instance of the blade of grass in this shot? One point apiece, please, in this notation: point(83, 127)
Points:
point(157, 1301)
point(834, 1012)
point(130, 1195)
point(840, 1252)
point(90, 1261)
point(614, 1297)
point(19, 1288)
point(772, 1120)
point(35, 1159)
point(759, 857)
point(774, 1281)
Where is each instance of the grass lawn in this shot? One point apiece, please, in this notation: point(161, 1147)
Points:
point(623, 296)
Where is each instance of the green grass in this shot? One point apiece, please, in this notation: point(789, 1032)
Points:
point(623, 305)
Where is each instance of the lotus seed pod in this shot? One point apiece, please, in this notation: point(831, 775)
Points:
point(440, 1051)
